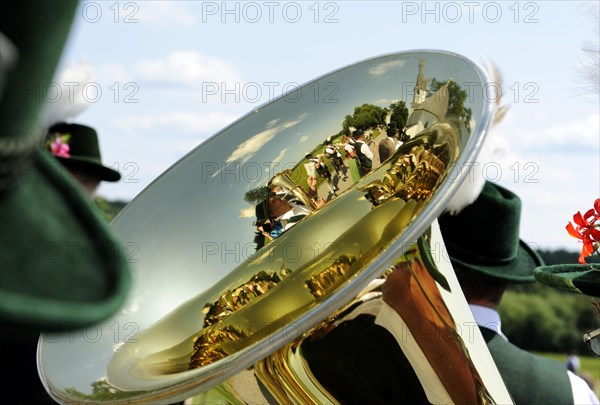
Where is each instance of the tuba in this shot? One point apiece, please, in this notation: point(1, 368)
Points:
point(284, 181)
point(315, 314)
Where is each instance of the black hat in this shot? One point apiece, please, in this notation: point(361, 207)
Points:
point(358, 133)
point(262, 211)
point(76, 144)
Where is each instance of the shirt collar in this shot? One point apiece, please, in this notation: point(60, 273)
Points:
point(487, 318)
point(296, 210)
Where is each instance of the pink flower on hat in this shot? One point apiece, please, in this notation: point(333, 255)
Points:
point(59, 147)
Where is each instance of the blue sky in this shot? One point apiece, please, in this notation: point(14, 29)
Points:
point(171, 74)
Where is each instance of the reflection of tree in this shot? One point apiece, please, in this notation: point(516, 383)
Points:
point(101, 391)
point(399, 114)
point(256, 195)
point(456, 101)
point(365, 116)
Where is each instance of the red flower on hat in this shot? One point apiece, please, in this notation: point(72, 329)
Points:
point(60, 147)
point(587, 229)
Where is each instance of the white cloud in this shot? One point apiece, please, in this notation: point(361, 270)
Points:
point(249, 212)
point(114, 72)
point(176, 121)
point(249, 147)
point(166, 13)
point(584, 132)
point(383, 68)
point(188, 68)
point(65, 95)
point(385, 101)
point(280, 156)
point(572, 132)
point(272, 123)
point(552, 187)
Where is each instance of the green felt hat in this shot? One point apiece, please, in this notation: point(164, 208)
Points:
point(61, 267)
point(575, 278)
point(77, 145)
point(484, 237)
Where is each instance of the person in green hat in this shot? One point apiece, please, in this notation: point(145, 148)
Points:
point(76, 147)
point(61, 266)
point(487, 254)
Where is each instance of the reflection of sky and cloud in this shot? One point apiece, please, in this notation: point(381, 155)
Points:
point(248, 149)
point(382, 69)
point(192, 225)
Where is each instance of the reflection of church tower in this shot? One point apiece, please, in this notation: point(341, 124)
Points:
point(433, 109)
point(437, 103)
point(420, 90)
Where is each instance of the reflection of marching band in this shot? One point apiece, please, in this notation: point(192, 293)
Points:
point(363, 152)
point(286, 205)
point(316, 166)
point(335, 157)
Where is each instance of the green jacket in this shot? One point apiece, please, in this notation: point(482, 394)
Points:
point(530, 379)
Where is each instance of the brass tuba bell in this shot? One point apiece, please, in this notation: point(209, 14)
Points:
point(284, 180)
point(211, 318)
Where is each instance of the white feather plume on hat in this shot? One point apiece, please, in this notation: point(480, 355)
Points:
point(66, 94)
point(473, 184)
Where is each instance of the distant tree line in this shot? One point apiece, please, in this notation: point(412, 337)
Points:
point(562, 256)
point(541, 318)
point(109, 209)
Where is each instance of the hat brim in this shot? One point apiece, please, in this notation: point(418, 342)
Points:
point(517, 271)
point(103, 172)
point(575, 278)
point(62, 267)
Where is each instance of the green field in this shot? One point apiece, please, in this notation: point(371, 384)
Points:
point(590, 365)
